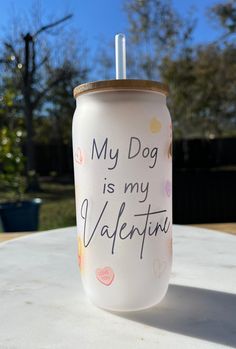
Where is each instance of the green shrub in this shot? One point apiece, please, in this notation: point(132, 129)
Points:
point(12, 163)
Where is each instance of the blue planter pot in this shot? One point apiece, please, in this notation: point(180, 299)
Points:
point(20, 216)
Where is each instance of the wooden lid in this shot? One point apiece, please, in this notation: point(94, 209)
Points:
point(108, 85)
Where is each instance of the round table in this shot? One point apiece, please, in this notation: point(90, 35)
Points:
point(42, 303)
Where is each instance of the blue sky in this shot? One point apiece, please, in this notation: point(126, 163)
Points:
point(100, 20)
point(104, 18)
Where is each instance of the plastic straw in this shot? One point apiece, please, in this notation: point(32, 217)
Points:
point(120, 56)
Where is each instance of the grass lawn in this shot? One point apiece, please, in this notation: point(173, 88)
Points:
point(58, 207)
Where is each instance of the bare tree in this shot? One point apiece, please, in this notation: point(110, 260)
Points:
point(28, 73)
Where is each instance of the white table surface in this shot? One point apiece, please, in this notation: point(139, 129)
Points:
point(42, 304)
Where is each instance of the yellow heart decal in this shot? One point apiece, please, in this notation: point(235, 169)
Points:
point(155, 125)
point(80, 254)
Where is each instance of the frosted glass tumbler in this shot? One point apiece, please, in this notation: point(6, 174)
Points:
point(122, 147)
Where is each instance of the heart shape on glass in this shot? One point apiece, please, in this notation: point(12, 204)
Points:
point(79, 156)
point(155, 125)
point(105, 275)
point(80, 254)
point(159, 267)
point(168, 188)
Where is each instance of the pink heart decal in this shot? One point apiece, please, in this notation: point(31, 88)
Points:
point(168, 188)
point(105, 275)
point(79, 156)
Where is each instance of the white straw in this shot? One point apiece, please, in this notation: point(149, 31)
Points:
point(120, 56)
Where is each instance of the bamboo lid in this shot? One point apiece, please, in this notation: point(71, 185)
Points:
point(107, 85)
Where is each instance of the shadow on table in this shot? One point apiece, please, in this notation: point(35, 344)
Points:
point(195, 312)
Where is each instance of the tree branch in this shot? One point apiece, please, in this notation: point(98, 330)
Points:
point(45, 27)
point(11, 48)
point(222, 37)
point(42, 94)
